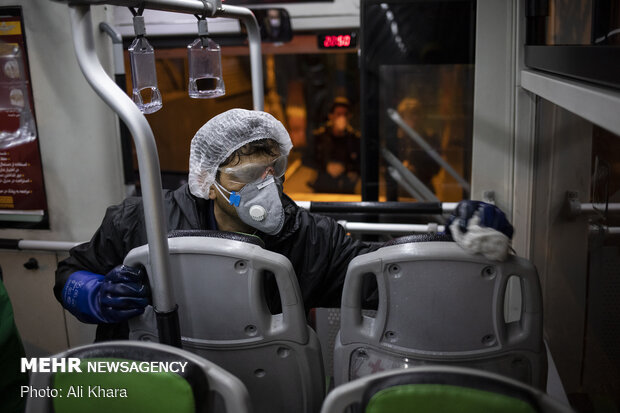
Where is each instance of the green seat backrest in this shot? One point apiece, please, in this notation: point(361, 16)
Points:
point(120, 392)
point(430, 398)
point(11, 350)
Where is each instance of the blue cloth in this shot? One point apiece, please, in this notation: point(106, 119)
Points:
point(490, 217)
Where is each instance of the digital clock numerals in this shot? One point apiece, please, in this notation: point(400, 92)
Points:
point(343, 40)
point(337, 40)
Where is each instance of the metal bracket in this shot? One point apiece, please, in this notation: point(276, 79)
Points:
point(139, 27)
point(489, 197)
point(433, 227)
point(215, 5)
point(111, 32)
point(572, 205)
point(203, 29)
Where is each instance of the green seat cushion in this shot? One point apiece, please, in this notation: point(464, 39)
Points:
point(430, 398)
point(103, 392)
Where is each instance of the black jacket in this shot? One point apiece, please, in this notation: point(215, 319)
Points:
point(317, 246)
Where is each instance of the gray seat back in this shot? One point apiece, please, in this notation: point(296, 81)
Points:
point(441, 305)
point(218, 283)
point(207, 382)
point(440, 388)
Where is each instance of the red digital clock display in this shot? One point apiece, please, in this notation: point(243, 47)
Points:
point(343, 40)
point(337, 41)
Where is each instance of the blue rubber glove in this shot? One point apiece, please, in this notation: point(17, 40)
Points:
point(118, 296)
point(482, 228)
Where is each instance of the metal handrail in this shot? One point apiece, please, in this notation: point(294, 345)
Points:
point(198, 7)
point(604, 229)
point(595, 208)
point(574, 207)
point(387, 229)
point(146, 149)
point(256, 64)
point(372, 207)
point(37, 245)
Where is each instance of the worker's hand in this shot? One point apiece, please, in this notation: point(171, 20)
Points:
point(118, 296)
point(482, 228)
point(124, 293)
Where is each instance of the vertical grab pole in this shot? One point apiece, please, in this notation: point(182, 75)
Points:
point(148, 165)
point(256, 61)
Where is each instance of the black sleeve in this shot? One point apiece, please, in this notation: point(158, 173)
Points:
point(320, 253)
point(342, 250)
point(106, 249)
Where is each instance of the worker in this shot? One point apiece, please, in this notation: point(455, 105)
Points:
point(236, 167)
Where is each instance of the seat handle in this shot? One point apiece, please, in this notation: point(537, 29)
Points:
point(292, 324)
point(358, 325)
point(530, 319)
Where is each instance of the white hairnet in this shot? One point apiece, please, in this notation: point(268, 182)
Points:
point(222, 135)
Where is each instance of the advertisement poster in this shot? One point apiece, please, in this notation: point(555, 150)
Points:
point(22, 193)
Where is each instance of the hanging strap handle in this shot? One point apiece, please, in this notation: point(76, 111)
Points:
point(139, 27)
point(139, 12)
point(203, 29)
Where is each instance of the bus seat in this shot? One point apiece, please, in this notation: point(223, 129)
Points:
point(440, 389)
point(198, 387)
point(224, 317)
point(11, 352)
point(441, 305)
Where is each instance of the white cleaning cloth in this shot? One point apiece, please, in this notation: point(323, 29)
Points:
point(481, 240)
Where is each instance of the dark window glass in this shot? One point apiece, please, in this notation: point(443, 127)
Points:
point(579, 39)
point(417, 70)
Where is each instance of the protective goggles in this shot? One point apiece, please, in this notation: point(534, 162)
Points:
point(244, 174)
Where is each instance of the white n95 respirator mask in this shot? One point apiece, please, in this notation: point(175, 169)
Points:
point(258, 204)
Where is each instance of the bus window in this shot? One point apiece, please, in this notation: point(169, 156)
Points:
point(301, 84)
point(426, 126)
point(314, 92)
point(417, 71)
